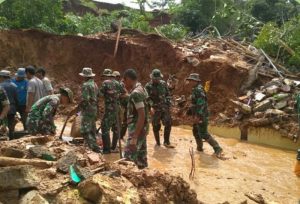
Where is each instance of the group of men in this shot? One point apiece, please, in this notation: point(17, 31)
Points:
point(22, 91)
point(138, 103)
point(128, 107)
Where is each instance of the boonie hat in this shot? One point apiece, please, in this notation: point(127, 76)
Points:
point(5, 73)
point(21, 72)
point(107, 72)
point(87, 72)
point(156, 74)
point(69, 93)
point(194, 77)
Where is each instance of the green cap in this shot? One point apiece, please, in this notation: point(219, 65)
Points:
point(194, 77)
point(69, 93)
point(107, 72)
point(156, 74)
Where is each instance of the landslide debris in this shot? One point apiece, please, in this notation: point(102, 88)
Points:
point(101, 182)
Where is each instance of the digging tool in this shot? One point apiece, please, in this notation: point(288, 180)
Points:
point(67, 119)
point(118, 37)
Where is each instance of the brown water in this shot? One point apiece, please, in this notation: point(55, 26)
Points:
point(249, 168)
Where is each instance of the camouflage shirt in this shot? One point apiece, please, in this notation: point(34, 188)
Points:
point(137, 99)
point(199, 102)
point(89, 98)
point(159, 95)
point(3, 99)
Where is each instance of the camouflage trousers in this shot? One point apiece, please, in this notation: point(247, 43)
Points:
point(88, 130)
point(200, 132)
point(109, 122)
point(164, 116)
point(40, 125)
point(137, 153)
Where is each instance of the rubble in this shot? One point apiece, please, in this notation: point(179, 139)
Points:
point(33, 197)
point(67, 160)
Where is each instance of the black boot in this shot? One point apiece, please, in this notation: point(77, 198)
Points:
point(157, 139)
point(215, 145)
point(167, 133)
point(199, 145)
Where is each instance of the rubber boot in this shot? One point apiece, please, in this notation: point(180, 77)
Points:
point(215, 145)
point(199, 145)
point(167, 133)
point(157, 139)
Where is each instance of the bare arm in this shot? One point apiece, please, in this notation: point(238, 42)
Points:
point(30, 99)
point(4, 112)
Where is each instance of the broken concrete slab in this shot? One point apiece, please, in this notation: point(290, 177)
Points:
point(244, 107)
point(9, 197)
point(288, 82)
point(262, 106)
point(33, 197)
point(63, 163)
point(273, 112)
point(18, 177)
point(12, 152)
point(280, 96)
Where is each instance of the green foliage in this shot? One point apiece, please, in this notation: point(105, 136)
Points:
point(32, 13)
point(173, 31)
point(273, 37)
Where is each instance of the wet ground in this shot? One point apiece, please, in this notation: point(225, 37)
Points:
point(249, 169)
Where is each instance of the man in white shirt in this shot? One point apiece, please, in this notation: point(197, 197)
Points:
point(41, 74)
point(35, 90)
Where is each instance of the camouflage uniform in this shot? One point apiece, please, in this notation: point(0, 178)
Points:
point(124, 103)
point(137, 153)
point(89, 109)
point(3, 102)
point(200, 110)
point(41, 116)
point(160, 101)
point(110, 90)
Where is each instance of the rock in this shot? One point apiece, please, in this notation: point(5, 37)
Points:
point(272, 90)
point(100, 188)
point(67, 160)
point(259, 96)
point(285, 88)
point(33, 197)
point(70, 196)
point(93, 157)
point(288, 82)
point(41, 140)
point(280, 104)
point(18, 177)
point(262, 106)
point(12, 152)
point(275, 126)
point(193, 61)
point(9, 196)
point(259, 114)
point(84, 173)
point(42, 153)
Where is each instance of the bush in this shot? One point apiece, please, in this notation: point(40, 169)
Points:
point(173, 31)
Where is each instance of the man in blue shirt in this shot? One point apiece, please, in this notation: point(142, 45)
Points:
point(11, 91)
point(22, 84)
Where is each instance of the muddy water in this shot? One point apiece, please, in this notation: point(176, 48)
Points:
point(249, 168)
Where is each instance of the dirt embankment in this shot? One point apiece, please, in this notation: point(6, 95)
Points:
point(65, 56)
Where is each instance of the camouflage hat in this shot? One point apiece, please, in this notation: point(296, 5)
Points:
point(156, 74)
point(69, 92)
point(116, 74)
point(107, 72)
point(194, 77)
point(87, 72)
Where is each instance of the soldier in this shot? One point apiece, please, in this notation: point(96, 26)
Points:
point(199, 112)
point(89, 108)
point(110, 91)
point(137, 120)
point(41, 116)
point(160, 103)
point(123, 104)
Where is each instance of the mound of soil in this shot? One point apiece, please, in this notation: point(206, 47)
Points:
point(65, 56)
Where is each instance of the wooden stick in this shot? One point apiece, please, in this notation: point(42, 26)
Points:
point(63, 129)
point(9, 161)
point(191, 176)
point(118, 37)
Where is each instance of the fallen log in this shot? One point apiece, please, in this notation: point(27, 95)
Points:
point(9, 161)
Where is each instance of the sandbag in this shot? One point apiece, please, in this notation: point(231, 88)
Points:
point(75, 130)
